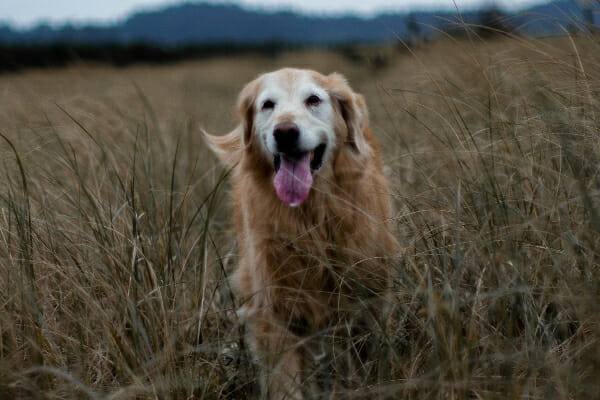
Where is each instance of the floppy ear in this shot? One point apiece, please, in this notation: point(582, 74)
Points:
point(245, 106)
point(354, 112)
point(228, 148)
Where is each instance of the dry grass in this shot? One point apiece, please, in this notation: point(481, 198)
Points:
point(115, 249)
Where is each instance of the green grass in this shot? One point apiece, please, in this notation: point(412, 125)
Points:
point(115, 243)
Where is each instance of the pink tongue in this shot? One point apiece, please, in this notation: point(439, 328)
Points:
point(293, 180)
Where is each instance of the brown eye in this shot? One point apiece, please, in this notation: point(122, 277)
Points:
point(313, 100)
point(268, 105)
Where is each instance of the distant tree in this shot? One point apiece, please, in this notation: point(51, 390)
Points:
point(492, 22)
point(414, 27)
point(587, 11)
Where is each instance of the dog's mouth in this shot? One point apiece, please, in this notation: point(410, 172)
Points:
point(316, 157)
point(293, 174)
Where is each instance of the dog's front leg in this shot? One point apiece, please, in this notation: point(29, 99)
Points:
point(279, 358)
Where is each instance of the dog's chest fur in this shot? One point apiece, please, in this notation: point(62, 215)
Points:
point(305, 261)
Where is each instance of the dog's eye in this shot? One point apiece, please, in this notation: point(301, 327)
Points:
point(313, 100)
point(268, 105)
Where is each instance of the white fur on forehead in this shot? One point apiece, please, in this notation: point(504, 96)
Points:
point(288, 81)
point(289, 89)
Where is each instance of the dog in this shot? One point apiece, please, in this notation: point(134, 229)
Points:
point(312, 211)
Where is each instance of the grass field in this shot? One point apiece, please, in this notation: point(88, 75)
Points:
point(114, 224)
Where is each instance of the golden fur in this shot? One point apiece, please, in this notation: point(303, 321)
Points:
point(302, 267)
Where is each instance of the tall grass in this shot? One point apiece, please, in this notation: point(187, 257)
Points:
point(500, 225)
point(116, 249)
point(106, 285)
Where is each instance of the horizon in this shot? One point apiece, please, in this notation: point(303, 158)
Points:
point(67, 12)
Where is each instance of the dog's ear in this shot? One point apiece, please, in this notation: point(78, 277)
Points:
point(246, 110)
point(228, 148)
point(353, 110)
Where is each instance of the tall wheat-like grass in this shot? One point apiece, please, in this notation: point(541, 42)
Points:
point(115, 247)
point(500, 224)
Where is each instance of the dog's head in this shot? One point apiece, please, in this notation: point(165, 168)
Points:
point(295, 122)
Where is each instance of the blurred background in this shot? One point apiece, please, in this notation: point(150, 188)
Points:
point(40, 33)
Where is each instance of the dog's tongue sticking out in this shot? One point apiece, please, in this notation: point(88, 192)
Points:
point(293, 180)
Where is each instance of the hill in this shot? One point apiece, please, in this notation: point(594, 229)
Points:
point(193, 23)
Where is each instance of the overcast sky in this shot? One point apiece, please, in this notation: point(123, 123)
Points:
point(28, 12)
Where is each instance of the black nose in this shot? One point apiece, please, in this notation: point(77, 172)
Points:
point(286, 137)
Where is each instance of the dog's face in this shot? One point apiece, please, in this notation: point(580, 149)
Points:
point(296, 121)
point(294, 126)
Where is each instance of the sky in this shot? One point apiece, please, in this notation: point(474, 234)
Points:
point(25, 13)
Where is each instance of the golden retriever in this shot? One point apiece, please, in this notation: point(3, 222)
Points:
point(312, 217)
